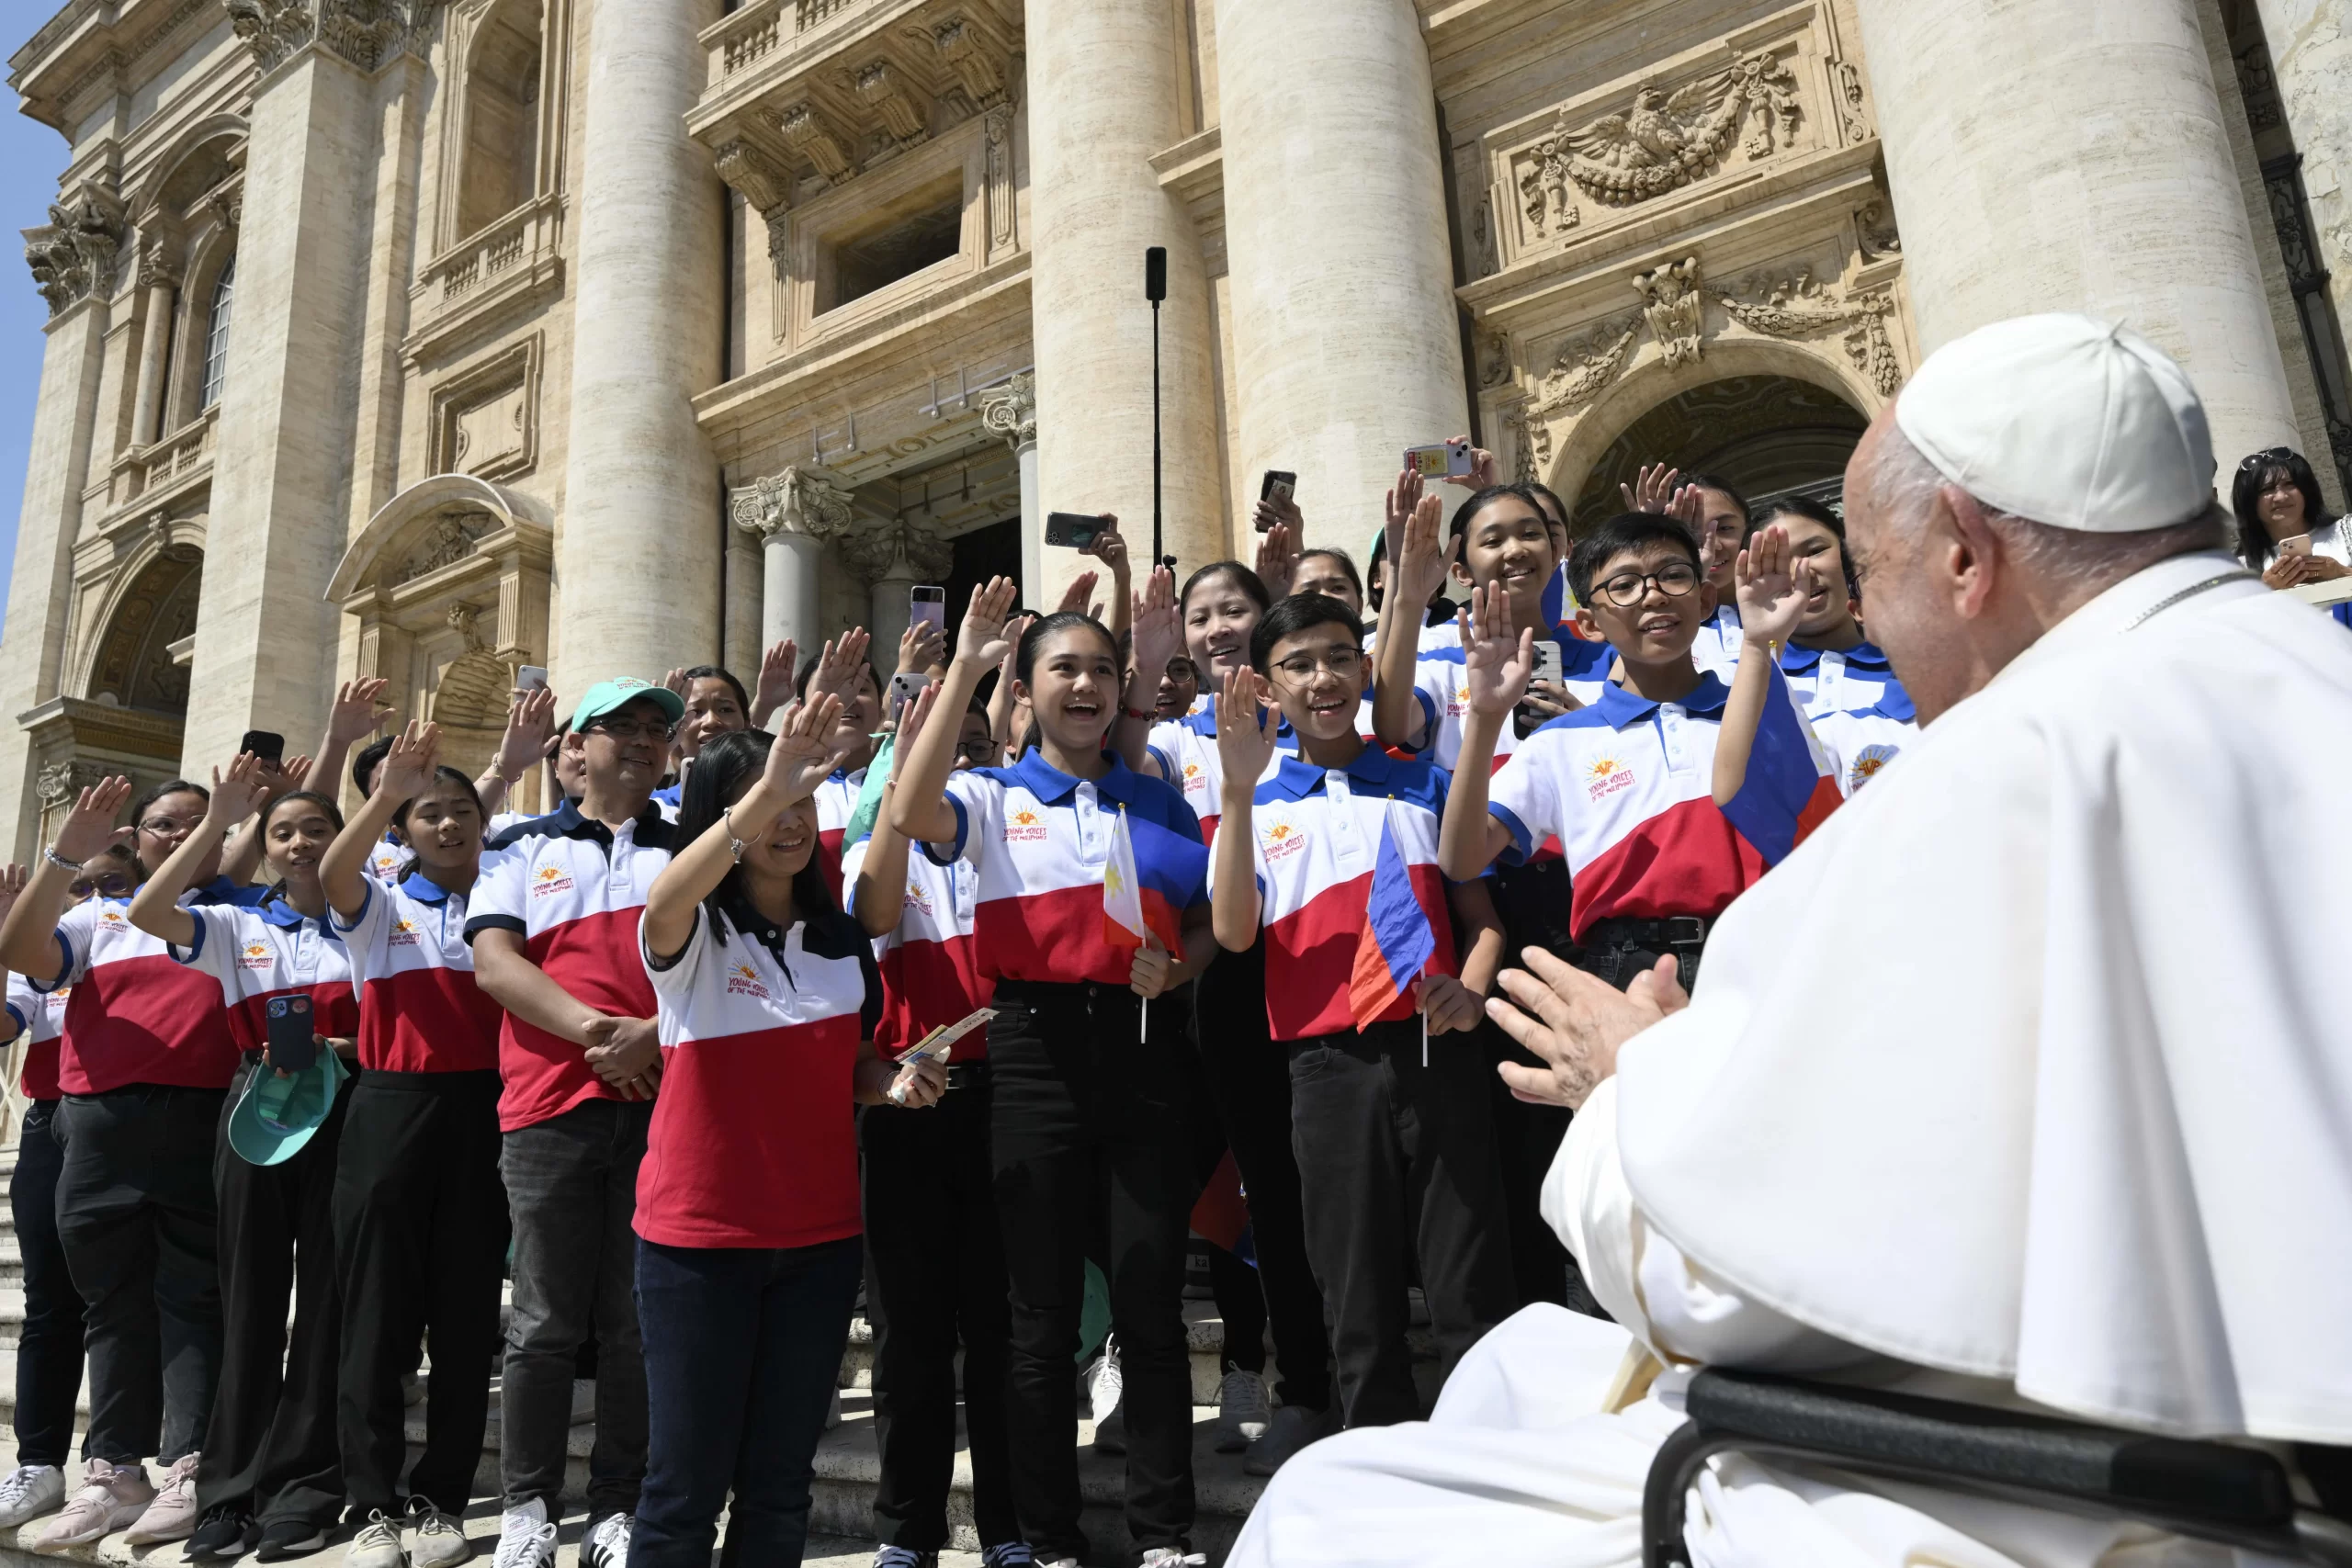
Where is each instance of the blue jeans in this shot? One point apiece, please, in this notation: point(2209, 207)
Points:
point(743, 1353)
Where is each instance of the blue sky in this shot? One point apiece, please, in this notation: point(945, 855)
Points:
point(30, 156)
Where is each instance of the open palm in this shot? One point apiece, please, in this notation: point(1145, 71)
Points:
point(1772, 591)
point(803, 754)
point(1245, 726)
point(981, 637)
point(1496, 661)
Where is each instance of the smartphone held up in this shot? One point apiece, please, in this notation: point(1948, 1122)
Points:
point(1444, 459)
point(1073, 530)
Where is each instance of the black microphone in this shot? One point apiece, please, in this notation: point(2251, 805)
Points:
point(1155, 274)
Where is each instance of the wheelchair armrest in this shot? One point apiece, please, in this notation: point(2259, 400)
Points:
point(2213, 1491)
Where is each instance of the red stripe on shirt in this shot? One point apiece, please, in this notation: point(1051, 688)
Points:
point(334, 1012)
point(146, 1020)
point(595, 959)
point(1058, 936)
point(1311, 957)
point(428, 1020)
point(926, 984)
point(1687, 860)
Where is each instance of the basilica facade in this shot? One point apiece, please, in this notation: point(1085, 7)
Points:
point(432, 338)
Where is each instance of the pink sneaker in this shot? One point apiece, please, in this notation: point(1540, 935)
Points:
point(112, 1497)
point(171, 1515)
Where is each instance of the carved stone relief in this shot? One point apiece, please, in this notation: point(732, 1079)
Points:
point(73, 257)
point(364, 32)
point(1584, 365)
point(1663, 140)
point(449, 540)
point(1674, 308)
point(871, 551)
point(798, 500)
point(62, 782)
point(1003, 203)
point(485, 420)
point(1011, 411)
point(1852, 117)
point(133, 666)
point(959, 45)
point(1798, 306)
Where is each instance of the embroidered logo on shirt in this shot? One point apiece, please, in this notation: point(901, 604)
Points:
point(550, 879)
point(1192, 772)
point(110, 916)
point(1866, 763)
point(1283, 841)
point(742, 980)
point(404, 933)
point(1025, 827)
point(1606, 775)
point(255, 955)
point(918, 897)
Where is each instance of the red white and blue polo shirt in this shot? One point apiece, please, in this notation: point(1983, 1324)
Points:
point(1040, 839)
point(573, 890)
point(930, 961)
point(40, 1022)
point(1186, 751)
point(836, 803)
point(1829, 680)
point(136, 1015)
point(1863, 741)
point(384, 861)
point(1317, 840)
point(1721, 636)
point(1441, 689)
point(420, 1009)
point(754, 1134)
point(1627, 786)
point(273, 949)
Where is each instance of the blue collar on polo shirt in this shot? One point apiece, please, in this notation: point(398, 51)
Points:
point(1868, 656)
point(278, 913)
point(1895, 703)
point(1053, 786)
point(1619, 708)
point(568, 822)
point(1296, 778)
point(425, 890)
point(222, 890)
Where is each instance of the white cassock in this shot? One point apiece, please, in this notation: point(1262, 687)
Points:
point(2027, 1080)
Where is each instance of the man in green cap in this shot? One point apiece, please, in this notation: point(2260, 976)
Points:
point(553, 924)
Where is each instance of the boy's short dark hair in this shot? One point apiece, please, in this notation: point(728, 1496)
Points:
point(713, 672)
point(366, 761)
point(1300, 612)
point(1480, 500)
point(1628, 531)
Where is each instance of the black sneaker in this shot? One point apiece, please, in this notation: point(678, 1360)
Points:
point(225, 1531)
point(291, 1538)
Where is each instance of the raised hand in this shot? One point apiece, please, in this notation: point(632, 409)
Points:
point(1652, 489)
point(778, 667)
point(530, 724)
point(1771, 594)
point(1078, 598)
point(980, 640)
point(88, 831)
point(408, 766)
point(355, 718)
point(237, 794)
point(1278, 557)
point(1158, 625)
point(1110, 547)
point(804, 752)
point(1496, 661)
point(1403, 496)
point(1421, 560)
point(911, 719)
point(1246, 728)
point(13, 879)
point(922, 644)
point(1270, 513)
point(1688, 507)
point(839, 665)
point(287, 776)
point(1483, 472)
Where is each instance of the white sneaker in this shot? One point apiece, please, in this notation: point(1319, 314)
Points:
point(607, 1544)
point(1103, 1387)
point(1242, 1411)
point(28, 1492)
point(376, 1546)
point(526, 1537)
point(440, 1540)
point(1168, 1557)
point(110, 1497)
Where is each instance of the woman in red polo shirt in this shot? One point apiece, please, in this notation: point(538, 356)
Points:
point(747, 1203)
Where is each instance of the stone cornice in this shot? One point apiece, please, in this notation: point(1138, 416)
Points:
point(365, 33)
point(92, 40)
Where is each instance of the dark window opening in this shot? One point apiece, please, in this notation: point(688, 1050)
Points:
point(879, 259)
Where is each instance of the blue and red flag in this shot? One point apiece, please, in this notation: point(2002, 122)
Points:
point(1791, 784)
point(1221, 1216)
point(1396, 940)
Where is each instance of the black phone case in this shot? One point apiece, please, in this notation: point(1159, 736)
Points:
point(293, 1042)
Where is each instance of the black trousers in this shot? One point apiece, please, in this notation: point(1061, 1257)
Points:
point(934, 1261)
point(572, 1192)
point(419, 1244)
point(1240, 1298)
point(1251, 1087)
point(1399, 1167)
point(743, 1350)
point(1088, 1137)
point(271, 1443)
point(137, 1216)
point(49, 1351)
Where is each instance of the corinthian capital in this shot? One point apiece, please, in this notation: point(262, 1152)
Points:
point(798, 500)
point(1011, 411)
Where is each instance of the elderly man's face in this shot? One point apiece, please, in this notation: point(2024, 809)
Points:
point(1908, 606)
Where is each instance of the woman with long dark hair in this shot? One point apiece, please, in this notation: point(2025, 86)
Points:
point(747, 1201)
point(272, 1474)
point(2276, 499)
point(1087, 1128)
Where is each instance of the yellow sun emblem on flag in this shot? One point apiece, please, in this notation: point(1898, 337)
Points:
point(549, 873)
point(1602, 767)
point(1114, 885)
point(1026, 818)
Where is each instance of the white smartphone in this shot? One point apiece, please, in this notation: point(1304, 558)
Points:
point(2301, 545)
point(926, 602)
point(531, 678)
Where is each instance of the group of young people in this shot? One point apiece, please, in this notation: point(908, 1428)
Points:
point(1234, 869)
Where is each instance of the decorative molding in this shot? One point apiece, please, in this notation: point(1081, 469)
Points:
point(1798, 306)
point(450, 540)
point(1662, 140)
point(880, 88)
point(486, 418)
point(2259, 86)
point(1004, 201)
point(803, 500)
point(1674, 308)
point(1493, 353)
point(767, 189)
point(1846, 79)
point(74, 256)
point(1874, 230)
point(1584, 365)
point(62, 782)
point(159, 265)
point(367, 33)
point(871, 551)
point(805, 130)
point(226, 202)
point(1011, 411)
point(959, 45)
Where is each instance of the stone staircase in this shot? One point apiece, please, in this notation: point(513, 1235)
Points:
point(848, 1466)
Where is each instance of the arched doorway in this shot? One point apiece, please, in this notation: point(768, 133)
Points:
point(141, 663)
point(1765, 435)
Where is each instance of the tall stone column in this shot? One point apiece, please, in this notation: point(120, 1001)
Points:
point(2311, 55)
point(1347, 343)
point(1011, 411)
point(890, 557)
point(791, 513)
point(1103, 99)
point(2071, 156)
point(637, 559)
point(160, 279)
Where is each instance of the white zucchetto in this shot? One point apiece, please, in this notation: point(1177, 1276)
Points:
point(2063, 420)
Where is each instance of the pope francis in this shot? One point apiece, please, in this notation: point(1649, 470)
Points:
point(2027, 1080)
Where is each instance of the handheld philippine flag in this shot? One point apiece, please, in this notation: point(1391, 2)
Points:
point(1122, 890)
point(1558, 609)
point(1791, 784)
point(1396, 940)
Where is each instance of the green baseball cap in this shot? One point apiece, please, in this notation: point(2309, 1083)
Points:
point(606, 696)
point(276, 1115)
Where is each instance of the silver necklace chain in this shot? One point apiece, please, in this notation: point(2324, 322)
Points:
point(2236, 574)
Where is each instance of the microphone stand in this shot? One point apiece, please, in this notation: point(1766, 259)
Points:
point(1155, 435)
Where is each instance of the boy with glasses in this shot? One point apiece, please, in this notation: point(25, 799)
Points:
point(1389, 1099)
point(553, 923)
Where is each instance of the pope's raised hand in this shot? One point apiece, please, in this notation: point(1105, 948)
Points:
point(805, 751)
point(1771, 594)
point(1246, 728)
point(1496, 660)
point(981, 639)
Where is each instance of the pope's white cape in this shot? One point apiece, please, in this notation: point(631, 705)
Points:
point(2035, 1062)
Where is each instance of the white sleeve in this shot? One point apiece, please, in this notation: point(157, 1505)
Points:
point(73, 929)
point(979, 803)
point(1433, 696)
point(1523, 795)
point(365, 935)
point(674, 981)
point(220, 929)
point(497, 901)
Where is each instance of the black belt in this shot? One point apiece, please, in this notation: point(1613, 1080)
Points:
point(967, 1075)
point(1673, 933)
